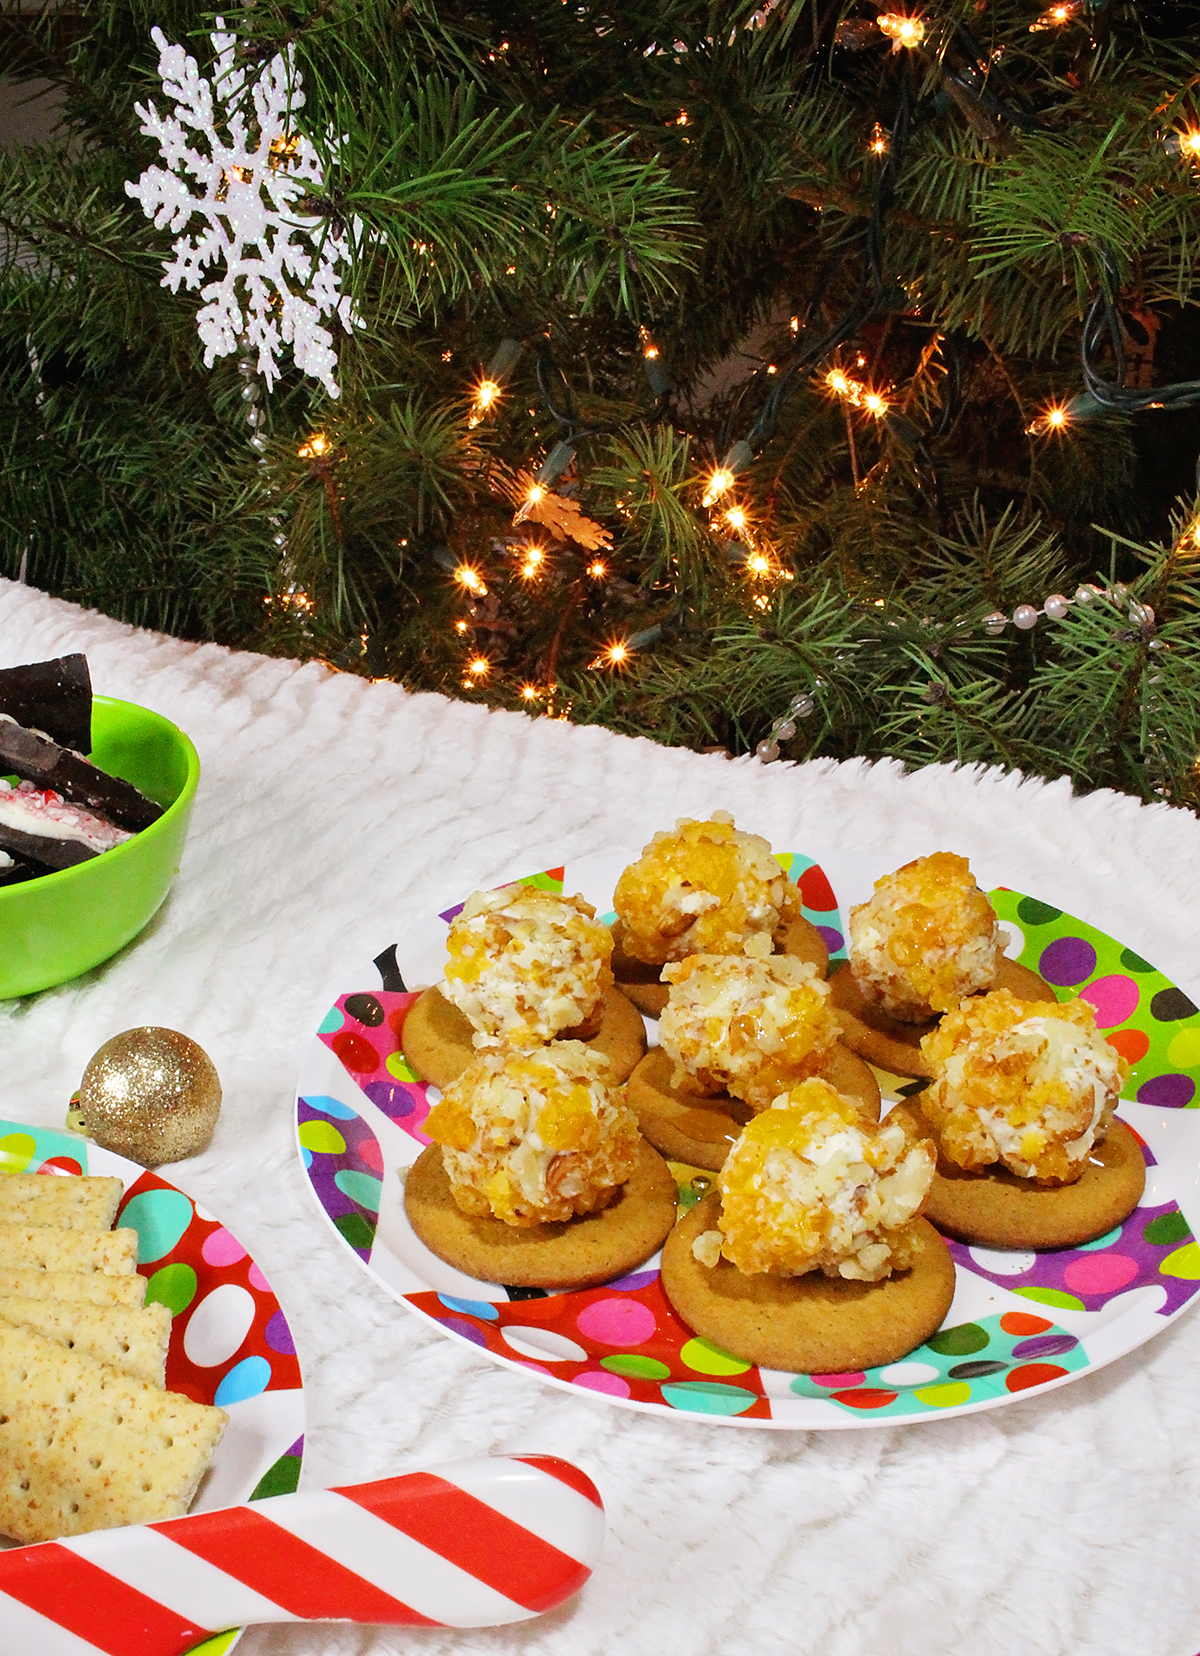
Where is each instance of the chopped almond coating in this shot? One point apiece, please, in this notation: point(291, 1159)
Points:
point(925, 939)
point(526, 964)
point(812, 1185)
point(703, 888)
point(535, 1137)
point(1021, 1083)
point(749, 1027)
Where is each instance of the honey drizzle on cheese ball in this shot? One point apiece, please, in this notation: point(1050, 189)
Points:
point(535, 1137)
point(526, 964)
point(745, 1026)
point(927, 937)
point(812, 1185)
point(703, 888)
point(1023, 1083)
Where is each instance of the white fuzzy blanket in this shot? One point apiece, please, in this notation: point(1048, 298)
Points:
point(1064, 1523)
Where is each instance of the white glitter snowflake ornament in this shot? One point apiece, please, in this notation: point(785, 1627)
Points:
point(280, 273)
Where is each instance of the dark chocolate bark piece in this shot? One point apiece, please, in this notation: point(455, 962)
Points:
point(52, 697)
point(35, 759)
point(44, 849)
point(15, 872)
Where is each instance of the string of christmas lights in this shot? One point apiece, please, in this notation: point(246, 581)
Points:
point(973, 71)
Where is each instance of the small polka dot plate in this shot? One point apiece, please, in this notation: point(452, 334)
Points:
point(1021, 1322)
point(230, 1342)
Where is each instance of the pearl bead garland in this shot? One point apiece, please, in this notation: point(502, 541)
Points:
point(1057, 608)
point(801, 706)
point(1024, 617)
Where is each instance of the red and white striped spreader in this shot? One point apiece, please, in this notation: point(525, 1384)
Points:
point(473, 1544)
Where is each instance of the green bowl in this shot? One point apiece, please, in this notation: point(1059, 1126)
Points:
point(54, 928)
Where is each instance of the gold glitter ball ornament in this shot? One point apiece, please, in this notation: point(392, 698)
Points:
point(152, 1095)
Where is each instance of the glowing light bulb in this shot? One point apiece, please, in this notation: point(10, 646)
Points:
point(735, 517)
point(720, 481)
point(879, 143)
point(1054, 418)
point(597, 570)
point(314, 448)
point(460, 626)
point(486, 393)
point(537, 492)
point(837, 382)
point(617, 653)
point(471, 579)
point(875, 404)
point(1189, 142)
point(901, 30)
point(1063, 11)
point(649, 348)
point(480, 666)
point(758, 565)
point(530, 692)
point(284, 151)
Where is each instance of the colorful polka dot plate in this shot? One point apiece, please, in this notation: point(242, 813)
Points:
point(230, 1342)
point(1021, 1322)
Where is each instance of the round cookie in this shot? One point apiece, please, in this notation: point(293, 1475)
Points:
point(637, 979)
point(896, 1046)
point(699, 1128)
point(999, 1209)
point(574, 1253)
point(810, 1324)
point(437, 1037)
point(799, 938)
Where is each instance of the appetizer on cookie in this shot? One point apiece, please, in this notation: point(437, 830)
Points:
point(1021, 1108)
point(736, 1032)
point(705, 888)
point(926, 938)
point(525, 967)
point(746, 1026)
point(811, 1255)
point(526, 964)
point(538, 1175)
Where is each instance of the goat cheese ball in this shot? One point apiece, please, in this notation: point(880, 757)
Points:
point(811, 1185)
point(1021, 1083)
point(927, 937)
point(745, 1026)
point(526, 964)
point(535, 1137)
point(703, 888)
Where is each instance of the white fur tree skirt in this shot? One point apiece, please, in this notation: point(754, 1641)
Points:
point(1061, 1523)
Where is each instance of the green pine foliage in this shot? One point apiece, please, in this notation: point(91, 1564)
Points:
point(686, 216)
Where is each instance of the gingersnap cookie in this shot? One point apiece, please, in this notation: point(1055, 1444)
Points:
point(641, 983)
point(572, 1253)
point(810, 1324)
point(896, 1046)
point(436, 1038)
point(999, 1209)
point(699, 1128)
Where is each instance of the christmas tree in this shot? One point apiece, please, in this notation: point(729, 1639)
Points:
point(772, 377)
